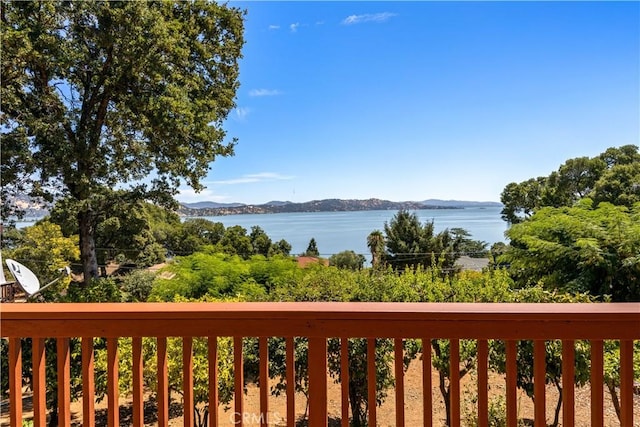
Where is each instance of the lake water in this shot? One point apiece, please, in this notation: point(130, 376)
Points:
point(338, 231)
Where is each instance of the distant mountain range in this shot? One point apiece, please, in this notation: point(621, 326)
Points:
point(326, 205)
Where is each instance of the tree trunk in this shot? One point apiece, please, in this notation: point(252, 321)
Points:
point(53, 414)
point(556, 417)
point(357, 409)
point(86, 221)
point(446, 396)
point(614, 398)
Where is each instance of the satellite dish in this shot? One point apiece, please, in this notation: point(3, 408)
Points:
point(24, 277)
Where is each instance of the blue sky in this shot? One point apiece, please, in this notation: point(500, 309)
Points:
point(417, 100)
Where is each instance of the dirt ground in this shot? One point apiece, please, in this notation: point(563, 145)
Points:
point(385, 413)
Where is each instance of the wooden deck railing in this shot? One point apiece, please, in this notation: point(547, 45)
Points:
point(317, 321)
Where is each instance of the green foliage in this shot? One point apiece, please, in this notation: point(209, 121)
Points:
point(103, 289)
point(122, 227)
point(312, 249)
point(613, 176)
point(193, 235)
point(236, 241)
point(147, 87)
point(410, 243)
point(137, 285)
point(221, 275)
point(44, 250)
point(347, 259)
point(579, 249)
point(467, 246)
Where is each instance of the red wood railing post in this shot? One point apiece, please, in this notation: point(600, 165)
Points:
point(626, 382)
point(163, 383)
point(113, 393)
point(454, 385)
point(212, 352)
point(15, 381)
point(597, 372)
point(568, 383)
point(88, 383)
point(344, 380)
point(511, 380)
point(539, 383)
point(399, 374)
point(264, 381)
point(39, 383)
point(371, 381)
point(137, 371)
point(64, 382)
point(238, 377)
point(483, 383)
point(187, 381)
point(427, 405)
point(291, 381)
point(317, 382)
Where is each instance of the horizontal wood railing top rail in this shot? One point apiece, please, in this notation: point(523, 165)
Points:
point(326, 319)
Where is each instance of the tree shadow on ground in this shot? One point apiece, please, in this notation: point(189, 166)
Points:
point(332, 422)
point(150, 413)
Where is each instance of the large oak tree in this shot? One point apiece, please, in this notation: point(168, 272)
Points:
point(126, 94)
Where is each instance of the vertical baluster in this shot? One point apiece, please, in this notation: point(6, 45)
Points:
point(264, 381)
point(88, 383)
point(163, 383)
point(291, 382)
point(568, 383)
point(187, 380)
point(454, 386)
point(344, 379)
point(539, 383)
point(399, 374)
point(64, 382)
point(317, 381)
point(212, 352)
point(112, 382)
point(626, 382)
point(597, 398)
point(15, 381)
point(238, 376)
point(427, 405)
point(371, 380)
point(483, 383)
point(512, 372)
point(39, 386)
point(137, 370)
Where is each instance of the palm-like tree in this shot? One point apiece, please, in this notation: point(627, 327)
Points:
point(376, 243)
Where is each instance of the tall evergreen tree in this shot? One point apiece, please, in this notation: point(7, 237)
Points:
point(312, 249)
point(410, 243)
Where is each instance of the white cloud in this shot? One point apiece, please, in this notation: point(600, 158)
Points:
point(256, 177)
point(294, 27)
point(189, 195)
point(264, 92)
point(368, 17)
point(241, 113)
point(274, 27)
